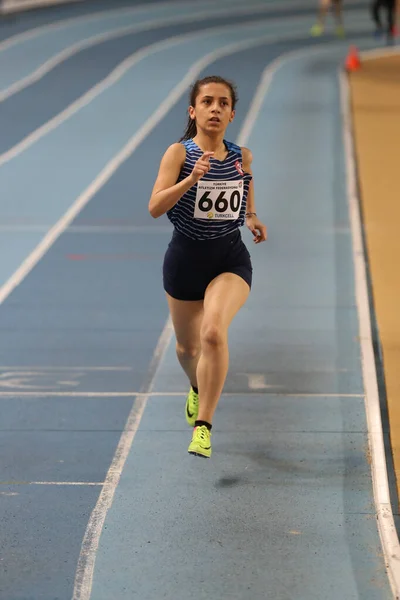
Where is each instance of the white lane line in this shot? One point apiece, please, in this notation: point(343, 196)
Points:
point(265, 82)
point(89, 229)
point(87, 557)
point(89, 483)
point(21, 38)
point(40, 368)
point(115, 75)
point(386, 524)
point(150, 25)
point(12, 6)
point(273, 67)
point(57, 394)
point(95, 483)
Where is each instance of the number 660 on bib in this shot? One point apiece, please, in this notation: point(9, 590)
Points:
point(218, 200)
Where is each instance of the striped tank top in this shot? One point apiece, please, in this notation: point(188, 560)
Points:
point(182, 215)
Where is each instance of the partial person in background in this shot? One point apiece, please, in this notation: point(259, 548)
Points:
point(391, 7)
point(324, 6)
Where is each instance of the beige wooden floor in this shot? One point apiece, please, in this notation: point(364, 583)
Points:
point(375, 93)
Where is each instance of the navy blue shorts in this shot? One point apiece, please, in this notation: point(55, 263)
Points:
point(190, 265)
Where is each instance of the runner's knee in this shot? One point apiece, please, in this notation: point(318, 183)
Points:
point(187, 350)
point(212, 336)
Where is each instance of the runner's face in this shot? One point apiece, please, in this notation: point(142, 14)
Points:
point(213, 109)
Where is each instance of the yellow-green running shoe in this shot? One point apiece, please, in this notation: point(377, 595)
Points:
point(192, 407)
point(201, 442)
point(340, 32)
point(317, 30)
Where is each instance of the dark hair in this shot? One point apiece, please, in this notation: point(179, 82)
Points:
point(191, 128)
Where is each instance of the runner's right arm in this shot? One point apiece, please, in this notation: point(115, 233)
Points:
point(166, 192)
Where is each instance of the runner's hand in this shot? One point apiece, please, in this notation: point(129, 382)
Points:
point(257, 229)
point(201, 167)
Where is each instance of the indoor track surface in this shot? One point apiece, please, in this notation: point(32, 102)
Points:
point(99, 497)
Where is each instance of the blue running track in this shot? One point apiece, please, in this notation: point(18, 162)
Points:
point(99, 498)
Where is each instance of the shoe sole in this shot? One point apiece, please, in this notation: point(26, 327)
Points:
point(199, 455)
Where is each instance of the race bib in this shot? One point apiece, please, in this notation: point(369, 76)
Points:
point(218, 200)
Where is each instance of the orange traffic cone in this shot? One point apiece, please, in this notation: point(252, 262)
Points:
point(353, 62)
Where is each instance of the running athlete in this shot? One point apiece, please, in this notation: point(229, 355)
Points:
point(324, 6)
point(205, 187)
